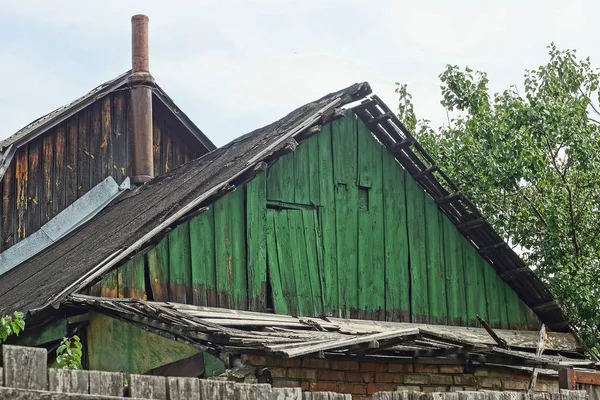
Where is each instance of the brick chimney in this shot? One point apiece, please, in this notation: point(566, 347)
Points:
point(141, 83)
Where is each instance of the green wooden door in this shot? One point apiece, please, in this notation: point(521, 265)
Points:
point(295, 260)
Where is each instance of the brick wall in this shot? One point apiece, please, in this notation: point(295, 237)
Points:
point(363, 378)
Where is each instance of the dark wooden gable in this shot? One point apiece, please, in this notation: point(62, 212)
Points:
point(51, 171)
point(338, 228)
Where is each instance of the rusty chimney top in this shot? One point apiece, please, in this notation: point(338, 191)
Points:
point(141, 83)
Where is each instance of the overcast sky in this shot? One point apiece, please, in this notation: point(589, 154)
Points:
point(233, 66)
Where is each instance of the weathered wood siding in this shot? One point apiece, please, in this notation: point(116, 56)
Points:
point(55, 169)
point(337, 227)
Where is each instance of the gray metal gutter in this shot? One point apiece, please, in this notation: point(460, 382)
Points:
point(72, 217)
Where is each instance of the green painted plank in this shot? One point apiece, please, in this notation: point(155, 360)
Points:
point(224, 252)
point(131, 278)
point(327, 213)
point(286, 261)
point(300, 262)
point(49, 332)
point(158, 268)
point(492, 295)
point(470, 258)
point(109, 284)
point(397, 276)
point(502, 304)
point(482, 289)
point(436, 276)
point(180, 269)
point(202, 248)
point(313, 171)
point(515, 319)
point(274, 275)
point(314, 260)
point(280, 179)
point(455, 284)
point(256, 208)
point(237, 217)
point(346, 204)
point(415, 206)
point(371, 274)
point(301, 174)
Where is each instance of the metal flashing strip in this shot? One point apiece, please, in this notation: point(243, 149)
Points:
point(72, 217)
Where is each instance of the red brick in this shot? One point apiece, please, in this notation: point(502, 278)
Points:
point(452, 369)
point(416, 379)
point(373, 366)
point(385, 377)
point(329, 375)
point(323, 387)
point(316, 363)
point(304, 385)
point(256, 360)
point(380, 387)
point(303, 373)
point(285, 383)
point(400, 368)
point(491, 383)
point(428, 369)
point(277, 372)
point(366, 377)
point(431, 389)
point(521, 375)
point(464, 380)
point(344, 365)
point(440, 379)
point(291, 362)
point(515, 385)
point(352, 388)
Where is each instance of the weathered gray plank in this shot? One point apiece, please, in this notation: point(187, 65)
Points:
point(210, 389)
point(471, 395)
point(148, 386)
point(286, 394)
point(25, 367)
point(573, 394)
point(68, 380)
point(183, 388)
point(106, 383)
point(28, 394)
point(247, 391)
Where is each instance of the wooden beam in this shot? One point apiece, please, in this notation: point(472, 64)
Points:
point(541, 345)
point(449, 198)
point(566, 379)
point(401, 145)
point(501, 342)
point(471, 224)
point(513, 273)
point(492, 247)
point(551, 305)
point(426, 171)
point(378, 119)
point(190, 367)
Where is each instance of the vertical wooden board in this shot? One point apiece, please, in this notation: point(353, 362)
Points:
point(274, 183)
point(314, 260)
point(435, 269)
point(156, 147)
point(274, 276)
point(84, 153)
point(109, 286)
point(132, 282)
point(371, 273)
point(97, 167)
point(34, 186)
point(314, 183)
point(397, 277)
point(8, 207)
point(470, 259)
point(158, 270)
point(533, 322)
point(72, 161)
point(415, 210)
point(180, 270)
point(502, 304)
point(455, 292)
point(286, 261)
point(237, 218)
point(280, 180)
point(302, 174)
point(167, 152)
point(202, 249)
point(120, 135)
point(21, 176)
point(344, 144)
point(516, 314)
point(482, 289)
point(48, 182)
point(492, 296)
point(256, 210)
point(299, 259)
point(327, 214)
point(60, 154)
point(106, 144)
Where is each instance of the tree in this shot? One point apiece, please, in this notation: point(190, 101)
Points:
point(531, 162)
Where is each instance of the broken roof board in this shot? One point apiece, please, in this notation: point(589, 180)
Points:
point(150, 210)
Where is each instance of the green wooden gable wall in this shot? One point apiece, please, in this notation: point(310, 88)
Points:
point(335, 228)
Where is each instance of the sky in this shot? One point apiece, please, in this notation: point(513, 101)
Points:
point(234, 66)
